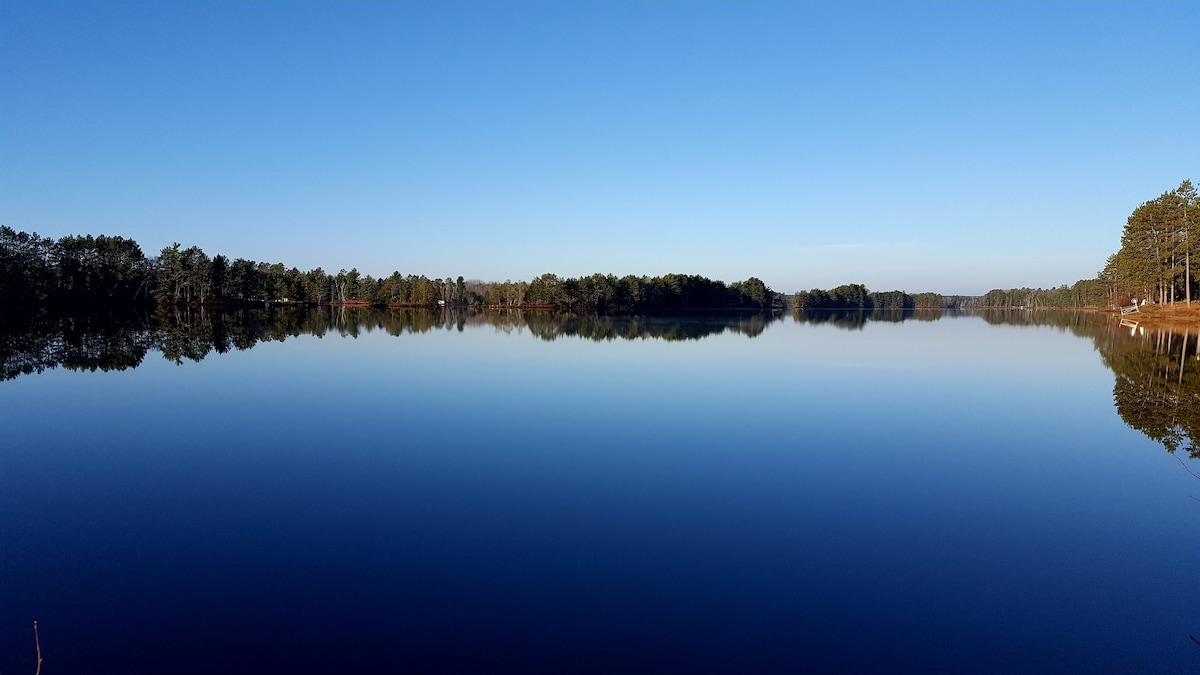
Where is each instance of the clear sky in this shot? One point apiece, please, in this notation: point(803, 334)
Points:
point(952, 147)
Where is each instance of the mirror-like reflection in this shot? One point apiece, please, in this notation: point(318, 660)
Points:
point(1157, 389)
point(915, 476)
point(117, 342)
point(87, 342)
point(1156, 369)
point(851, 319)
point(108, 342)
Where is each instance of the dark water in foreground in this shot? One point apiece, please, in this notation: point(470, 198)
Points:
point(383, 492)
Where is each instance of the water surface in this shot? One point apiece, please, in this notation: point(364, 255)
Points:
point(322, 491)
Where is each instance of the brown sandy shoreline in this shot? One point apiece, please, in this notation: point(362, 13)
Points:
point(1177, 315)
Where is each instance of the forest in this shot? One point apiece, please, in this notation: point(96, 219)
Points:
point(856, 296)
point(92, 272)
point(104, 271)
point(1154, 262)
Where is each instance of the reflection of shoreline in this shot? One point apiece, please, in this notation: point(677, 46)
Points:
point(1156, 368)
point(184, 333)
point(1155, 364)
point(1157, 380)
point(116, 342)
point(856, 319)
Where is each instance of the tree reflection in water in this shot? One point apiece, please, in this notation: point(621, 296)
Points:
point(36, 344)
point(1157, 370)
point(1157, 388)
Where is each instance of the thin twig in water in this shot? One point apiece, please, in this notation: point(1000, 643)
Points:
point(1194, 475)
point(1194, 639)
point(39, 643)
point(1185, 468)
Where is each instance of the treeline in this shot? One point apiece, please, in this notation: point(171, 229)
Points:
point(856, 296)
point(1083, 293)
point(42, 272)
point(186, 276)
point(604, 292)
point(39, 272)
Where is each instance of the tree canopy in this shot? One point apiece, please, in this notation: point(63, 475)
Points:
point(94, 272)
point(1154, 261)
point(857, 297)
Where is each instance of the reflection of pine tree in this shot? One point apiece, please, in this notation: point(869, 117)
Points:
point(1157, 389)
point(78, 342)
point(550, 326)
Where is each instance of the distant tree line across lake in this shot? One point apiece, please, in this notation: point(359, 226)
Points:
point(96, 271)
point(40, 272)
point(111, 271)
point(856, 296)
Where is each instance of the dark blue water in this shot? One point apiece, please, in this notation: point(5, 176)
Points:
point(947, 495)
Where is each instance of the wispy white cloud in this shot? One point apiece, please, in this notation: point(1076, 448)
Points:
point(856, 246)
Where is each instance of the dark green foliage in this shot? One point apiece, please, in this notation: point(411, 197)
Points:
point(601, 292)
point(892, 300)
point(1158, 244)
point(814, 299)
point(857, 297)
point(86, 272)
point(851, 296)
point(102, 269)
point(1084, 293)
point(38, 272)
point(932, 301)
point(28, 268)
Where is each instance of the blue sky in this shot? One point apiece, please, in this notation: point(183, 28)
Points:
point(953, 147)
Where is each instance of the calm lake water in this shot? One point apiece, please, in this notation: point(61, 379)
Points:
point(367, 491)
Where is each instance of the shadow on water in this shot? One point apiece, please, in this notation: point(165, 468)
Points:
point(119, 342)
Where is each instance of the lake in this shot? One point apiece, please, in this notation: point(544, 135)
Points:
point(320, 491)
